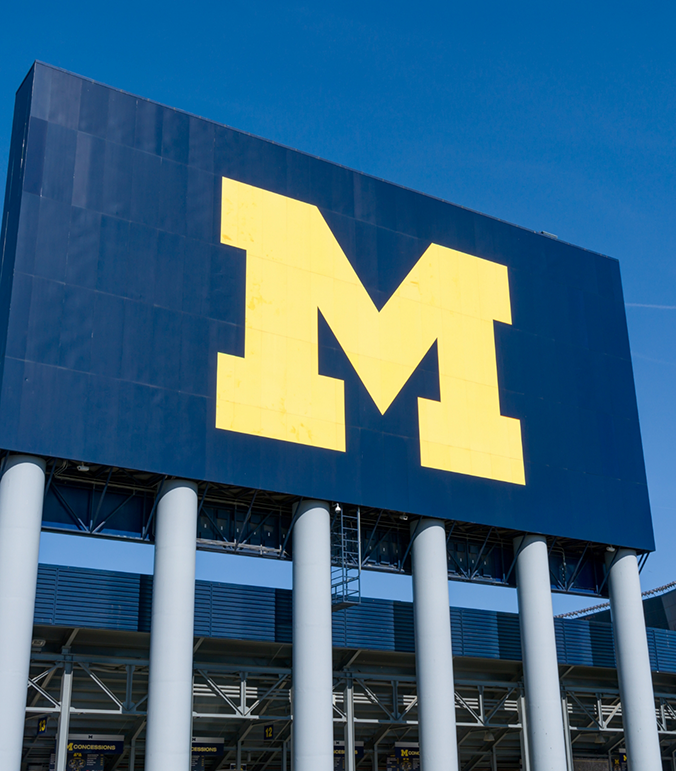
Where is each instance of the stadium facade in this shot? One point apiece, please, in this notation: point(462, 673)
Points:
point(205, 334)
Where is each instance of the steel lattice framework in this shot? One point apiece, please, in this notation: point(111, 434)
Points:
point(240, 688)
point(118, 503)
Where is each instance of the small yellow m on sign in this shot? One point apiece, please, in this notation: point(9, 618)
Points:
point(295, 266)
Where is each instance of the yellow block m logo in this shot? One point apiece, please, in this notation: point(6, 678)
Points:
point(294, 267)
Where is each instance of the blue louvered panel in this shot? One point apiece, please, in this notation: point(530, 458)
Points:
point(45, 597)
point(109, 600)
point(283, 612)
point(404, 637)
point(480, 634)
point(509, 636)
point(371, 625)
point(573, 642)
point(145, 603)
point(652, 650)
point(560, 640)
point(665, 650)
point(339, 628)
point(456, 631)
point(242, 612)
point(97, 598)
point(603, 647)
point(203, 612)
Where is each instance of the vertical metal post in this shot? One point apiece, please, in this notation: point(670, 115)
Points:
point(192, 700)
point(132, 748)
point(312, 644)
point(129, 690)
point(633, 661)
point(291, 752)
point(375, 756)
point(132, 755)
point(566, 733)
point(238, 755)
point(21, 496)
point(349, 726)
point(523, 735)
point(433, 650)
point(285, 750)
point(168, 734)
point(546, 744)
point(64, 717)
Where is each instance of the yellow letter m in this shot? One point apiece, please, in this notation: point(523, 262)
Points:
point(295, 266)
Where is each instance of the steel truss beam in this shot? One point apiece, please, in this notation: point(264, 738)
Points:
point(112, 686)
point(237, 702)
point(118, 503)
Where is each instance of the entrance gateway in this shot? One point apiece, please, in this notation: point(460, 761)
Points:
point(204, 332)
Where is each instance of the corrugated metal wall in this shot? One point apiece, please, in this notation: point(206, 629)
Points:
point(94, 598)
point(108, 600)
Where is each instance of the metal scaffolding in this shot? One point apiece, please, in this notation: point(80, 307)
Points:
point(345, 557)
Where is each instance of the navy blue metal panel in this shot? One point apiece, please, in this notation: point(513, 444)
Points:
point(603, 646)
point(145, 603)
point(479, 633)
point(652, 650)
point(560, 639)
point(374, 625)
point(13, 239)
point(120, 298)
point(665, 650)
point(371, 625)
point(231, 611)
point(456, 631)
point(573, 642)
point(655, 613)
point(339, 629)
point(584, 643)
point(87, 598)
point(404, 635)
point(283, 616)
point(203, 609)
point(107, 600)
point(45, 598)
point(242, 612)
point(509, 636)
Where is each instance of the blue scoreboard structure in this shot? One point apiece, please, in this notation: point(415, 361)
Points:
point(186, 299)
point(203, 333)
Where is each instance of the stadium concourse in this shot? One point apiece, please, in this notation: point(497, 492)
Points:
point(92, 627)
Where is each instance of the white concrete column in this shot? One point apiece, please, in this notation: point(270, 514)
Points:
point(433, 650)
point(312, 747)
point(168, 734)
point(544, 717)
point(22, 490)
point(633, 662)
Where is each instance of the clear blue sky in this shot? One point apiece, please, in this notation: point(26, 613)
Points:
point(555, 116)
